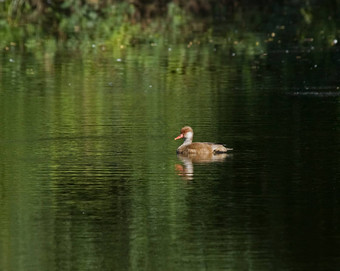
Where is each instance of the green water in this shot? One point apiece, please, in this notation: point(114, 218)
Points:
point(90, 180)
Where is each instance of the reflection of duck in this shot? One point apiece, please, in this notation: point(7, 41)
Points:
point(205, 148)
point(187, 170)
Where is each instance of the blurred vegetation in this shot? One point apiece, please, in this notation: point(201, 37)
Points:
point(75, 23)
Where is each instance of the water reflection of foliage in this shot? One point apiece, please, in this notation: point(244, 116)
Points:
point(122, 23)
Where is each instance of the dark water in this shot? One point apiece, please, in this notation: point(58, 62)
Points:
point(90, 180)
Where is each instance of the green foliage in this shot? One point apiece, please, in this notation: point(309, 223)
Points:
point(77, 23)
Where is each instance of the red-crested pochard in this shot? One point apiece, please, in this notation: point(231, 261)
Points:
point(197, 147)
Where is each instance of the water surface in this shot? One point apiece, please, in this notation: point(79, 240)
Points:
point(90, 179)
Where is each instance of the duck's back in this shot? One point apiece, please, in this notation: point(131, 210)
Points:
point(202, 148)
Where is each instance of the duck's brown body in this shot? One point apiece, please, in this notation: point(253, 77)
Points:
point(201, 148)
point(189, 147)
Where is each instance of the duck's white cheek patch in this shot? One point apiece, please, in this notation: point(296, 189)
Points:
point(188, 135)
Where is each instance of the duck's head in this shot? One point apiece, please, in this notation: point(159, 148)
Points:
point(186, 133)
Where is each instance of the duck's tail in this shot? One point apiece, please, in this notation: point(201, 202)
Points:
point(222, 149)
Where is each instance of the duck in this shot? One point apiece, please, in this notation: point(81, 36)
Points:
point(197, 148)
